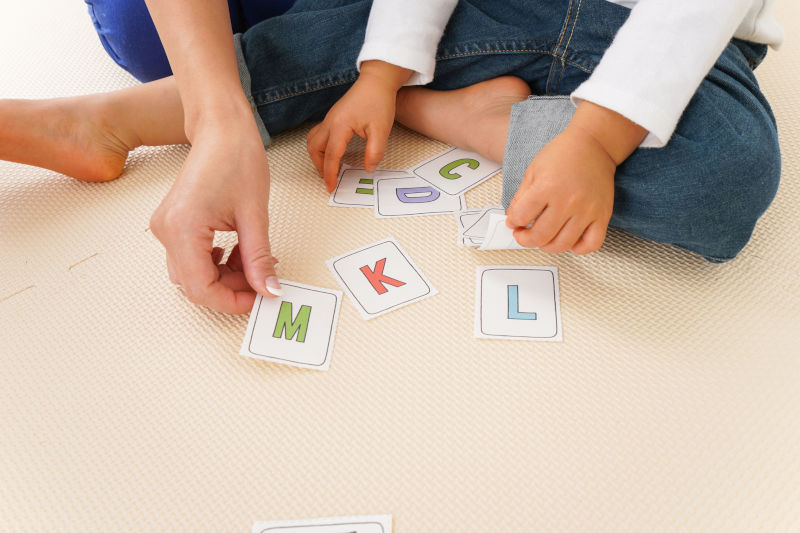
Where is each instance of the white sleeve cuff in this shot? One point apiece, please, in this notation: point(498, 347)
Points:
point(406, 33)
point(422, 62)
point(659, 58)
point(659, 123)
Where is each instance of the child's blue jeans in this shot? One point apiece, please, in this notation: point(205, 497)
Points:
point(703, 192)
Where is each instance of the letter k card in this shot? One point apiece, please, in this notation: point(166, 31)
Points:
point(296, 328)
point(379, 278)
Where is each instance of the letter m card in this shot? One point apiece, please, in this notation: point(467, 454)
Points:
point(296, 328)
point(379, 278)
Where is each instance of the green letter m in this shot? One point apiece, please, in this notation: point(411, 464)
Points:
point(291, 327)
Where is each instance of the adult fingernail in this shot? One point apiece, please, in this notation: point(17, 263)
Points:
point(273, 286)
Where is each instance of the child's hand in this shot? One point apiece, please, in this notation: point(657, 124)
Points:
point(568, 189)
point(367, 110)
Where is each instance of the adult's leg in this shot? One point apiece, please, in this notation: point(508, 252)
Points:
point(128, 35)
point(89, 137)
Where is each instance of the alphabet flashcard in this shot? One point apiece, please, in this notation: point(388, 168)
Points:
point(465, 219)
point(380, 277)
point(517, 303)
point(356, 186)
point(477, 230)
point(343, 524)
point(473, 225)
point(456, 171)
point(499, 236)
point(296, 328)
point(412, 196)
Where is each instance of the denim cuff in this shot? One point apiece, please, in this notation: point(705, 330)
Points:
point(534, 123)
point(244, 77)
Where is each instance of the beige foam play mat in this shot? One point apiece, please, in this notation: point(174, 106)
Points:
point(672, 403)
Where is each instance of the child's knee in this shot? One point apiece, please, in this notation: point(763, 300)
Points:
point(701, 199)
point(745, 181)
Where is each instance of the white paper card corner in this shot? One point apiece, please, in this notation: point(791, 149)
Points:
point(517, 303)
point(341, 524)
point(356, 186)
point(499, 236)
point(296, 328)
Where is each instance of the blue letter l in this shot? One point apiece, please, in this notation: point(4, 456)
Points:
point(513, 305)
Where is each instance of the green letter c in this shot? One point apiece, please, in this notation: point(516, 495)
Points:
point(447, 170)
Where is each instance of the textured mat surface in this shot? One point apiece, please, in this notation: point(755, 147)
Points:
point(672, 403)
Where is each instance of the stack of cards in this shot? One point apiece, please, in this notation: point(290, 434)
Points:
point(485, 229)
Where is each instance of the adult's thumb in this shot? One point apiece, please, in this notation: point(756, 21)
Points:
point(258, 262)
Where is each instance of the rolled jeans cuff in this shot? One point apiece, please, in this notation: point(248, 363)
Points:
point(244, 77)
point(534, 123)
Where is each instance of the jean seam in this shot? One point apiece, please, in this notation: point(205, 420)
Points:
point(558, 45)
point(516, 51)
point(264, 100)
point(566, 46)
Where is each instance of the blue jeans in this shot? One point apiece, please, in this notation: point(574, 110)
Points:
point(703, 192)
point(130, 38)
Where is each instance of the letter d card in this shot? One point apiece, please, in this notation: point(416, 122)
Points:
point(379, 278)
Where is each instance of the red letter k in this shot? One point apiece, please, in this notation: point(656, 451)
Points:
point(377, 278)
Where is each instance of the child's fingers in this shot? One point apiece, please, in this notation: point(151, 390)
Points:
point(376, 147)
point(526, 205)
point(316, 141)
point(543, 230)
point(523, 211)
point(337, 144)
point(567, 237)
point(592, 238)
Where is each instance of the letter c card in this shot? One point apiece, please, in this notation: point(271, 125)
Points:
point(379, 278)
point(456, 171)
point(296, 328)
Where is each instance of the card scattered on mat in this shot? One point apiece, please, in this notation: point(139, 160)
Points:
point(380, 278)
point(296, 328)
point(343, 524)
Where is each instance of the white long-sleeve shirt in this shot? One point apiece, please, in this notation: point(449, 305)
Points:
point(652, 69)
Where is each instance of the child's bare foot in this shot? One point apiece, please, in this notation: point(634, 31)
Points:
point(474, 118)
point(74, 136)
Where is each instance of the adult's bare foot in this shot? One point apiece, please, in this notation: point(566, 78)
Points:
point(474, 118)
point(74, 136)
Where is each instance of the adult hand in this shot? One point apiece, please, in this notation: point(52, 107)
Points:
point(222, 186)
